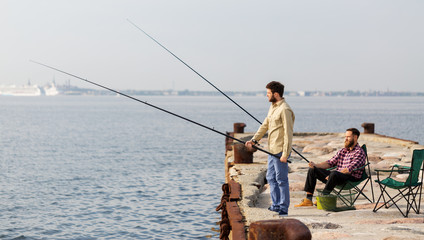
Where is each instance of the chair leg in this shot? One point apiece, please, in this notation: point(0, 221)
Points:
point(407, 194)
point(419, 201)
point(350, 200)
point(372, 190)
point(410, 198)
point(386, 203)
point(392, 199)
point(412, 203)
point(342, 198)
point(360, 192)
point(378, 200)
point(408, 203)
point(383, 190)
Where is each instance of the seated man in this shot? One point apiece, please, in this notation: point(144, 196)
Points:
point(347, 159)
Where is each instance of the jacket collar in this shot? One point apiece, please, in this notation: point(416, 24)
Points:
point(278, 103)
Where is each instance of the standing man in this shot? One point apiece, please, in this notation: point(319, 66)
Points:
point(346, 161)
point(279, 125)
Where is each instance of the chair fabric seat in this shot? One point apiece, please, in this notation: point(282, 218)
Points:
point(392, 183)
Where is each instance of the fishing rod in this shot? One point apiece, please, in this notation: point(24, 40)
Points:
point(206, 80)
point(193, 70)
point(153, 106)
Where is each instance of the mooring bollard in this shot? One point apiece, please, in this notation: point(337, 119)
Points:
point(241, 153)
point(368, 127)
point(288, 229)
point(229, 142)
point(239, 127)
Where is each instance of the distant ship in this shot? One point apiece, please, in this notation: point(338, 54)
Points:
point(24, 90)
point(51, 90)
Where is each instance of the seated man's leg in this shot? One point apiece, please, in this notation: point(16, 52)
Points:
point(311, 179)
point(335, 178)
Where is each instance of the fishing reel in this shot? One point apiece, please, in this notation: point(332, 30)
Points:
point(255, 142)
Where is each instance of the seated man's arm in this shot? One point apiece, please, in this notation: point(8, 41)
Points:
point(323, 165)
point(330, 163)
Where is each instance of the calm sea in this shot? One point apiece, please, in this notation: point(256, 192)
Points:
point(75, 167)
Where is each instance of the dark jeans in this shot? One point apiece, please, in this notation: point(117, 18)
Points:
point(334, 178)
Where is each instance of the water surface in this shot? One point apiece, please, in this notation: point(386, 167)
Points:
point(75, 167)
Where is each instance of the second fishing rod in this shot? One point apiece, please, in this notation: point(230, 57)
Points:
point(229, 98)
point(153, 106)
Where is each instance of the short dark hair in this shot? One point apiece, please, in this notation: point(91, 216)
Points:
point(276, 87)
point(354, 131)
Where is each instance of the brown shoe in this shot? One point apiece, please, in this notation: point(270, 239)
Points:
point(316, 203)
point(305, 203)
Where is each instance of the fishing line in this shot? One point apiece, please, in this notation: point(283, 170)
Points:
point(194, 70)
point(205, 80)
point(153, 106)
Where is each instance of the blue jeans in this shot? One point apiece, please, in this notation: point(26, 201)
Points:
point(277, 177)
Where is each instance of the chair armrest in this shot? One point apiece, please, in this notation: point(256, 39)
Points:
point(400, 169)
point(360, 167)
point(383, 170)
point(400, 166)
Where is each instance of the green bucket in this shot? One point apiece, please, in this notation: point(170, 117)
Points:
point(327, 202)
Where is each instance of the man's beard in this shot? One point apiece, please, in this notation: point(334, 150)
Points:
point(272, 99)
point(349, 144)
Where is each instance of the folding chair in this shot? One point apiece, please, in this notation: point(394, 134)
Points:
point(407, 190)
point(349, 192)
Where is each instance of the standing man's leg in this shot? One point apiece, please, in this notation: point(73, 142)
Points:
point(273, 185)
point(282, 171)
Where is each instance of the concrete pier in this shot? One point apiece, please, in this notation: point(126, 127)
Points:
point(362, 223)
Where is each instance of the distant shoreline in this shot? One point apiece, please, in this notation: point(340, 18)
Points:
point(68, 89)
point(72, 90)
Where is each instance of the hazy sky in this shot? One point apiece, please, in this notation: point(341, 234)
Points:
point(236, 45)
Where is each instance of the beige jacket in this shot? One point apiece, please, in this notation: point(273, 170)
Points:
point(279, 124)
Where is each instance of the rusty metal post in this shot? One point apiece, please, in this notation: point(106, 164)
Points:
point(239, 127)
point(288, 229)
point(241, 153)
point(229, 142)
point(368, 127)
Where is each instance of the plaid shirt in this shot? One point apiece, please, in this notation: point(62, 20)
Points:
point(350, 160)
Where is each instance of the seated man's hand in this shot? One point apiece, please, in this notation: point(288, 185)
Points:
point(345, 171)
point(311, 164)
